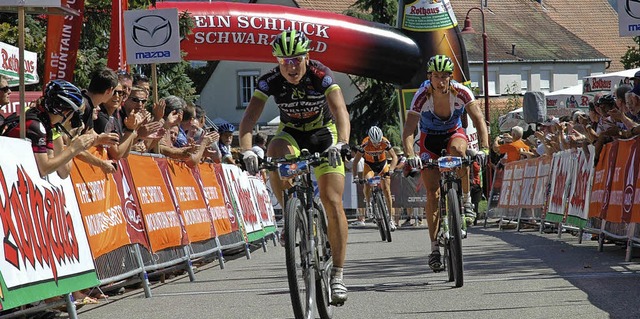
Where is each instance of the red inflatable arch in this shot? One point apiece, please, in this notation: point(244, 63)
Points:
point(243, 32)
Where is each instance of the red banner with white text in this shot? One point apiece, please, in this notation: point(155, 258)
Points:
point(117, 56)
point(63, 41)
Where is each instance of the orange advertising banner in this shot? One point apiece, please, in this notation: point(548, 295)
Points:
point(603, 175)
point(193, 208)
point(215, 200)
point(632, 193)
point(505, 190)
point(100, 207)
point(614, 211)
point(160, 217)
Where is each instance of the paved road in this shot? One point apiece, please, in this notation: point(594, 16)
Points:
point(508, 274)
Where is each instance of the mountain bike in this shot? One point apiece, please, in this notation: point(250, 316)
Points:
point(377, 206)
point(452, 227)
point(308, 253)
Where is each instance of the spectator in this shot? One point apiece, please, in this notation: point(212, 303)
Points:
point(5, 92)
point(259, 144)
point(173, 112)
point(511, 145)
point(226, 137)
point(358, 171)
point(62, 100)
point(126, 79)
point(141, 80)
point(134, 117)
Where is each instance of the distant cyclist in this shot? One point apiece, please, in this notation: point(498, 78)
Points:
point(313, 116)
point(376, 149)
point(438, 106)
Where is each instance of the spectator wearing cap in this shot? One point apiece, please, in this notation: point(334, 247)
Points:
point(511, 145)
point(636, 79)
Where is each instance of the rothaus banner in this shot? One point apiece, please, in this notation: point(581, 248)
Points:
point(152, 36)
point(45, 251)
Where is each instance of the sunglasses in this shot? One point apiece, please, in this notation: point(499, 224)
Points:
point(5, 89)
point(137, 100)
point(296, 60)
point(118, 92)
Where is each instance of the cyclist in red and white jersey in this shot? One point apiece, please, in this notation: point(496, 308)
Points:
point(438, 106)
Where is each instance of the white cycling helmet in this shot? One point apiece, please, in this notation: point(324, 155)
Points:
point(375, 134)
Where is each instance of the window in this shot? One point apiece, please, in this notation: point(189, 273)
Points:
point(246, 85)
point(524, 81)
point(545, 81)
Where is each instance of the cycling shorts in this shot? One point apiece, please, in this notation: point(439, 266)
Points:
point(376, 167)
point(431, 146)
point(317, 140)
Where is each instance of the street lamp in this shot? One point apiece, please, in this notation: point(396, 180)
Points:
point(468, 29)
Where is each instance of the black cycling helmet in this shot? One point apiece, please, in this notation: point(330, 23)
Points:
point(608, 99)
point(290, 43)
point(60, 96)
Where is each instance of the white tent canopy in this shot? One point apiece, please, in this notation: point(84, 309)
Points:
point(607, 81)
point(570, 97)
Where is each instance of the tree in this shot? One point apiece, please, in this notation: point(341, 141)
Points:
point(631, 59)
point(377, 102)
point(94, 46)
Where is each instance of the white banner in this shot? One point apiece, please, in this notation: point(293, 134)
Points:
point(580, 192)
point(43, 235)
point(240, 188)
point(152, 36)
point(10, 65)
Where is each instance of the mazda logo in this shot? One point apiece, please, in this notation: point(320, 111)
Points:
point(633, 8)
point(151, 31)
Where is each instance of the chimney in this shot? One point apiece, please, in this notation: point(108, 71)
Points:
point(513, 47)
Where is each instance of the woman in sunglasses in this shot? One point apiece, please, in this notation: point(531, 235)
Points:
point(313, 116)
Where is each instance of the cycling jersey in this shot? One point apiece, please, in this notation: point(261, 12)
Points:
point(38, 131)
point(430, 123)
point(373, 153)
point(303, 106)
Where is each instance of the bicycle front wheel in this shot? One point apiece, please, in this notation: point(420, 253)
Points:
point(300, 273)
point(384, 212)
point(377, 214)
point(455, 237)
point(325, 262)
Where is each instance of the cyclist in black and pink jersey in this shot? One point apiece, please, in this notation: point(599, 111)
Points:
point(438, 106)
point(313, 116)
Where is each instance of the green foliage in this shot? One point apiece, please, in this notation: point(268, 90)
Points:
point(94, 45)
point(514, 101)
point(631, 59)
point(377, 103)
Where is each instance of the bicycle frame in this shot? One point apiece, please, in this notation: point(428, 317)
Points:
point(315, 255)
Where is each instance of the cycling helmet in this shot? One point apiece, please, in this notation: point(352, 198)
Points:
point(60, 96)
point(440, 63)
point(608, 99)
point(375, 134)
point(290, 43)
point(226, 127)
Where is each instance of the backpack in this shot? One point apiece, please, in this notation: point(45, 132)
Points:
point(7, 123)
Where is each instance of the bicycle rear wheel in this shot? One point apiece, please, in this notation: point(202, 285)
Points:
point(384, 211)
point(300, 274)
point(325, 262)
point(455, 237)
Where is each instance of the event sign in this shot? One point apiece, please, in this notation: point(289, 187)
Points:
point(152, 36)
point(45, 252)
point(629, 18)
point(10, 66)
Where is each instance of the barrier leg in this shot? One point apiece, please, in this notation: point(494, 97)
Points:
point(580, 234)
point(143, 273)
point(600, 242)
point(264, 244)
point(71, 307)
point(192, 275)
point(247, 250)
point(274, 238)
point(519, 219)
point(560, 230)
